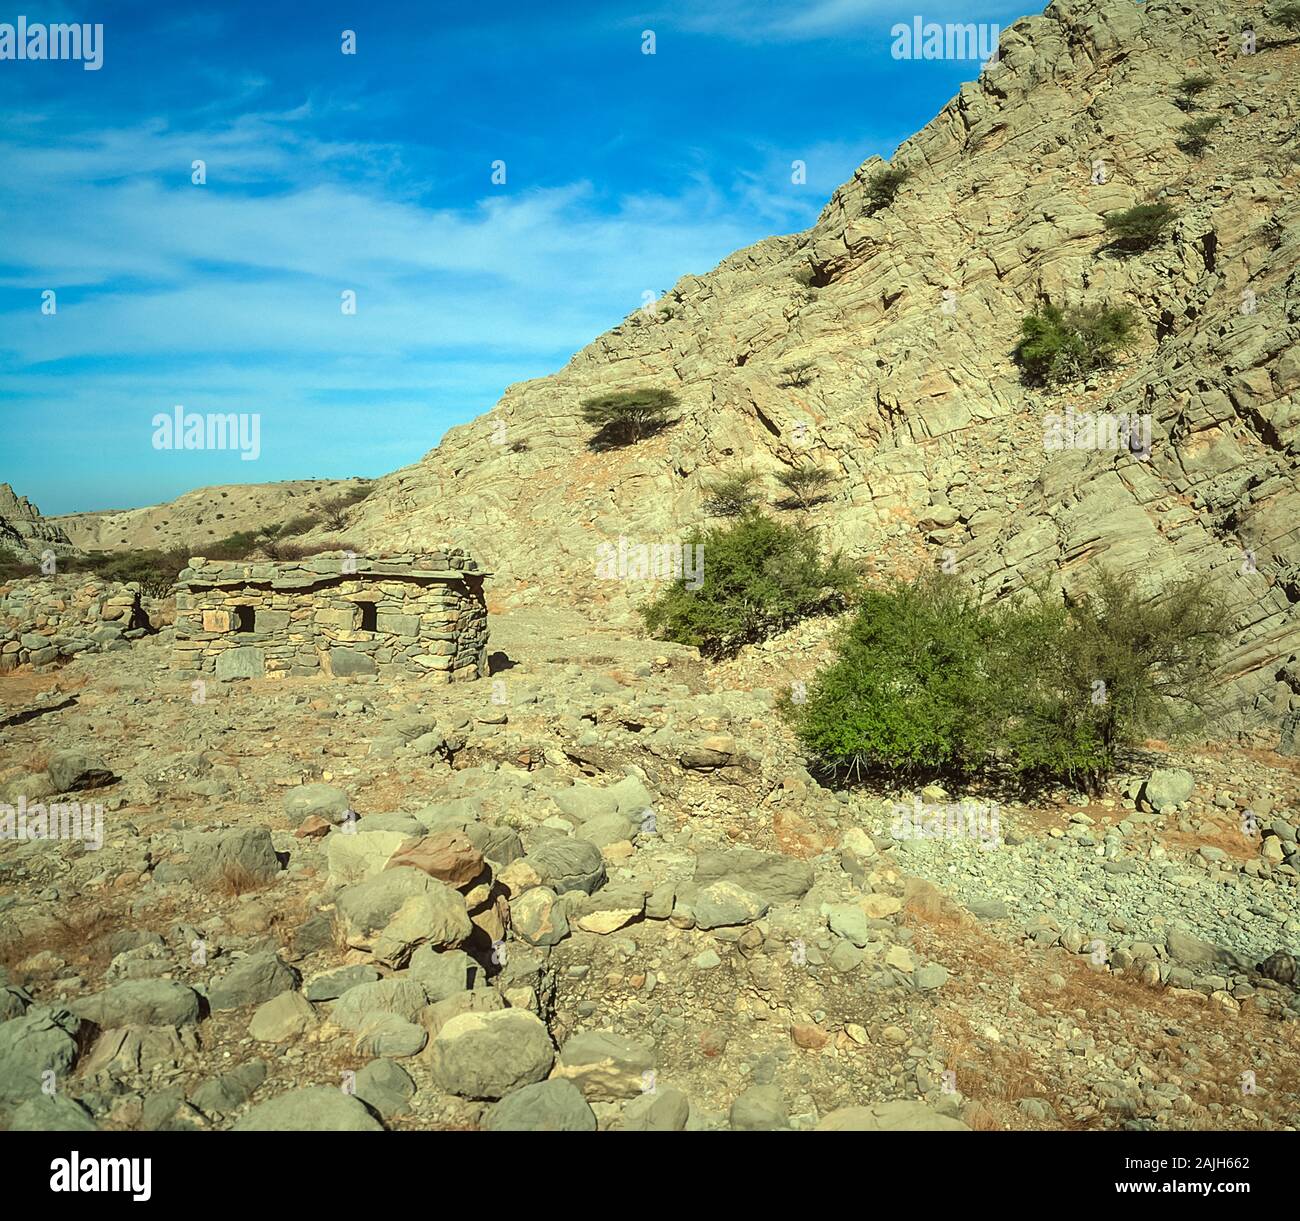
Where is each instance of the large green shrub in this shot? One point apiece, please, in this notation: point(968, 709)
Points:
point(927, 680)
point(910, 689)
point(1113, 666)
point(1059, 345)
point(628, 415)
point(155, 570)
point(1139, 228)
point(759, 577)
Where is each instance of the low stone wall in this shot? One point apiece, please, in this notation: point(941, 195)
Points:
point(46, 619)
point(418, 615)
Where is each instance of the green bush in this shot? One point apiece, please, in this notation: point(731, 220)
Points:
point(238, 546)
point(759, 577)
point(1194, 136)
point(731, 495)
point(155, 570)
point(1139, 228)
point(628, 415)
point(1060, 345)
point(1112, 667)
point(807, 485)
point(800, 375)
point(909, 690)
point(883, 186)
point(1191, 87)
point(926, 680)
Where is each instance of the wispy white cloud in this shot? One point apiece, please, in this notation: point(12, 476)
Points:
point(227, 296)
point(762, 21)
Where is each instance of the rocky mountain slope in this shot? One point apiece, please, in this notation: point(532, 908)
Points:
point(878, 346)
point(24, 532)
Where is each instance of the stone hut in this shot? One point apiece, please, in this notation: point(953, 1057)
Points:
point(337, 614)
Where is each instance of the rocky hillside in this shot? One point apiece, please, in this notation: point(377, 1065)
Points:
point(878, 346)
point(203, 516)
point(24, 532)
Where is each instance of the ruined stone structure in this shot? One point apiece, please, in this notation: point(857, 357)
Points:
point(340, 614)
point(46, 620)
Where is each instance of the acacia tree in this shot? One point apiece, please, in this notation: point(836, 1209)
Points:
point(807, 485)
point(629, 415)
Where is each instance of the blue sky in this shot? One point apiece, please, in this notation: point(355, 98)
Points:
point(373, 173)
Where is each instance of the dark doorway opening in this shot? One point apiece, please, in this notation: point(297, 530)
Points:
point(245, 619)
point(369, 617)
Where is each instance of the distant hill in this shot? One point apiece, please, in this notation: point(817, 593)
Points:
point(203, 516)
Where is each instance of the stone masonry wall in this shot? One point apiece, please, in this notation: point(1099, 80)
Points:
point(423, 616)
point(47, 619)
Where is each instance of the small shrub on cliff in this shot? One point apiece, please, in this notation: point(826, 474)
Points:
point(759, 577)
point(731, 495)
point(1190, 88)
point(628, 415)
point(1139, 228)
point(1060, 345)
point(1287, 16)
point(807, 485)
point(1194, 136)
point(14, 568)
point(883, 186)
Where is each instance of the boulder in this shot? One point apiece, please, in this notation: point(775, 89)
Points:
point(252, 980)
point(1168, 787)
point(568, 864)
point(447, 855)
point(242, 855)
point(41, 1041)
point(140, 1002)
point(487, 1055)
point(318, 800)
point(547, 1106)
point(769, 876)
point(315, 1108)
point(398, 994)
point(399, 910)
point(606, 1066)
point(282, 1018)
point(353, 857)
point(70, 770)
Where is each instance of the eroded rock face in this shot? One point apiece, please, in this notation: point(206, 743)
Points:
point(878, 344)
point(24, 531)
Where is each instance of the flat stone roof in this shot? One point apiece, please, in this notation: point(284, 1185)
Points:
point(450, 565)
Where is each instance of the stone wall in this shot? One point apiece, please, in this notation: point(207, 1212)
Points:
point(418, 615)
point(46, 619)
